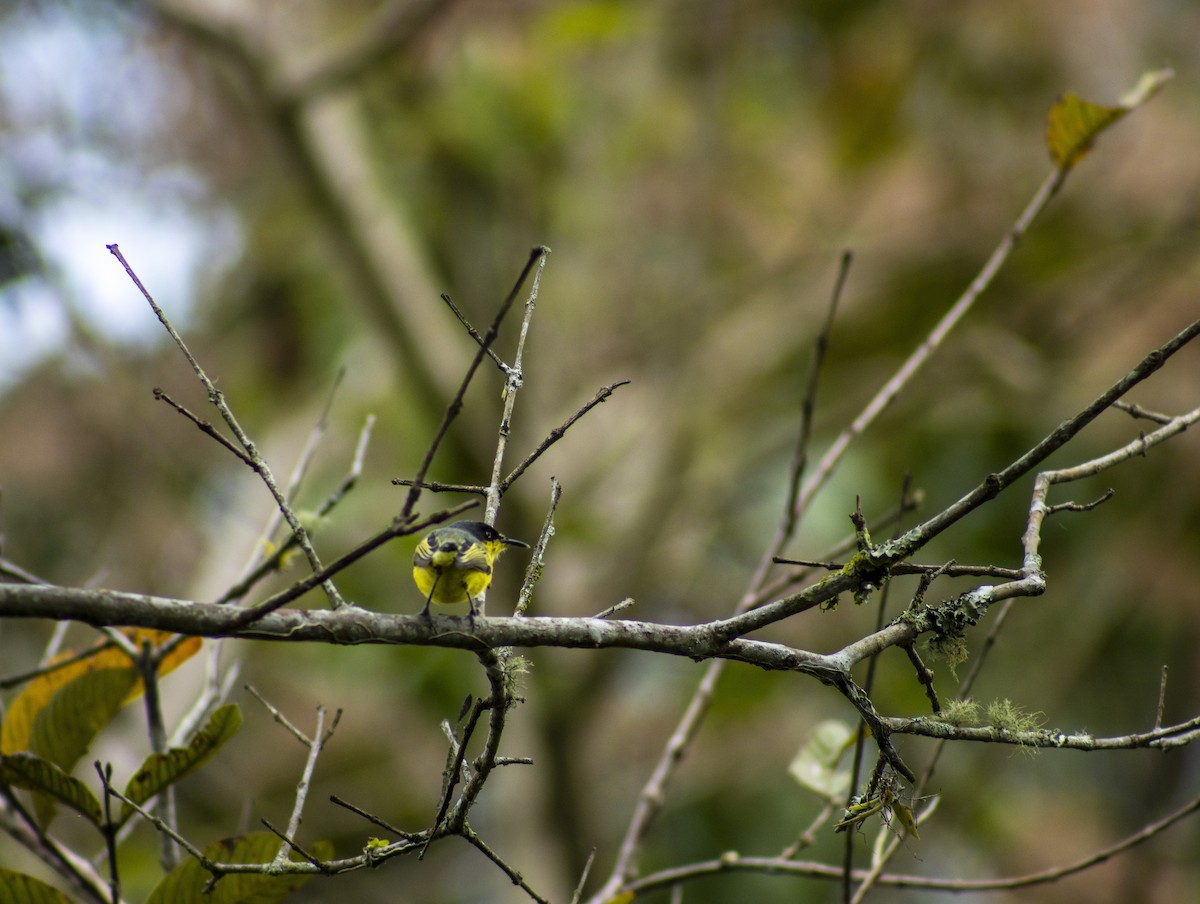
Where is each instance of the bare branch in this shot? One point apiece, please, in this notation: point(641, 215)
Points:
point(455, 405)
point(780, 866)
point(557, 433)
point(257, 462)
point(473, 333)
point(204, 427)
point(537, 559)
point(892, 388)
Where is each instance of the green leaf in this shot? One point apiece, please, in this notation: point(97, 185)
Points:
point(65, 726)
point(30, 771)
point(1073, 123)
point(185, 884)
point(65, 729)
point(163, 769)
point(16, 734)
point(1072, 127)
point(17, 888)
point(815, 766)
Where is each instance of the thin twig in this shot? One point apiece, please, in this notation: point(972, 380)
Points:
point(315, 745)
point(1162, 700)
point(1138, 411)
point(924, 677)
point(653, 793)
point(164, 828)
point(455, 768)
point(537, 560)
point(303, 460)
point(808, 408)
point(275, 561)
point(583, 876)
point(814, 870)
point(452, 410)
point(438, 487)
point(514, 379)
point(290, 843)
point(473, 333)
point(868, 687)
point(258, 463)
point(953, 570)
point(1079, 506)
point(993, 484)
point(373, 819)
point(557, 433)
point(892, 388)
point(148, 662)
point(12, 570)
point(627, 603)
point(23, 677)
point(204, 427)
point(104, 770)
point(513, 876)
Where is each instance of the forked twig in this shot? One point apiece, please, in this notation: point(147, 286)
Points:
point(933, 341)
point(274, 562)
point(653, 793)
point(252, 456)
point(602, 395)
point(452, 410)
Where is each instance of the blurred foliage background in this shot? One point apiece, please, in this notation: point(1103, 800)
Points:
point(297, 181)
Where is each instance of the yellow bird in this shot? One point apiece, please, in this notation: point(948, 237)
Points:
point(453, 564)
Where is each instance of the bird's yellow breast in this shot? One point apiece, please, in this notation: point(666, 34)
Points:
point(448, 585)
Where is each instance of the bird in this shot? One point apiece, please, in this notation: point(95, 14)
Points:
point(453, 564)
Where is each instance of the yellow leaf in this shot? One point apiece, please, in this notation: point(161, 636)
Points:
point(18, 725)
point(1073, 123)
point(905, 815)
point(23, 711)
